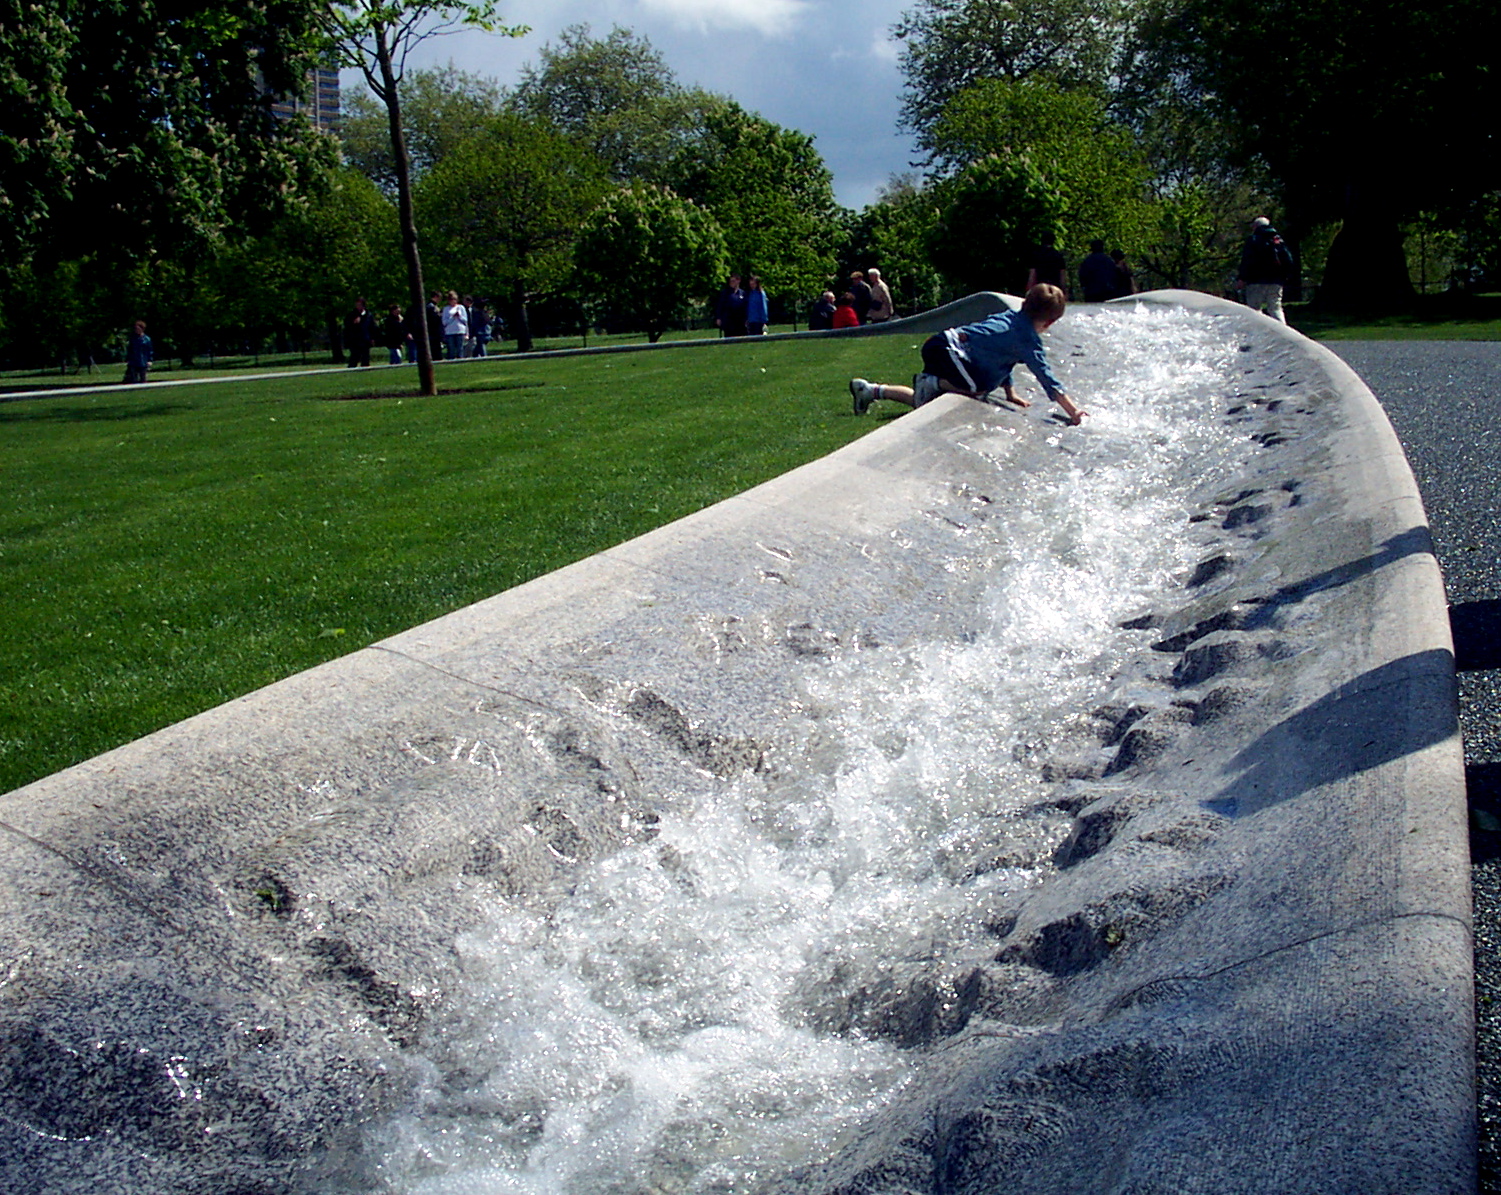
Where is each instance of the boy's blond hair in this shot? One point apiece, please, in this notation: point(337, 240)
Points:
point(1044, 302)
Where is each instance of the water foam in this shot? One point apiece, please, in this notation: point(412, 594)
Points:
point(689, 1019)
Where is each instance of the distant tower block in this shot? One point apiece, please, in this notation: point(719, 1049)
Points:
point(321, 105)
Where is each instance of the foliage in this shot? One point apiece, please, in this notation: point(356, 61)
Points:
point(644, 254)
point(1321, 93)
point(771, 193)
point(148, 124)
point(990, 216)
point(952, 44)
point(1090, 162)
point(439, 108)
point(892, 234)
point(311, 266)
point(504, 208)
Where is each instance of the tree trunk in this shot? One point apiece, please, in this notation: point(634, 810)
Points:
point(388, 93)
point(1367, 267)
point(523, 322)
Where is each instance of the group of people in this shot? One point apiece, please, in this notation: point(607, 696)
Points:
point(867, 301)
point(1102, 275)
point(454, 327)
point(742, 311)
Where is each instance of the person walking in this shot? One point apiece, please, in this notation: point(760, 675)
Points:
point(730, 307)
point(860, 291)
point(757, 313)
point(359, 335)
point(1097, 274)
point(480, 315)
point(394, 333)
point(138, 353)
point(1265, 265)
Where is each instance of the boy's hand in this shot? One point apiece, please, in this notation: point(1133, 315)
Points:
point(1011, 396)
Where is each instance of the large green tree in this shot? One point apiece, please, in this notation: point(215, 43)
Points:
point(646, 256)
point(1091, 163)
point(948, 45)
point(618, 97)
point(1364, 113)
point(770, 191)
point(133, 129)
point(440, 107)
point(504, 208)
point(990, 216)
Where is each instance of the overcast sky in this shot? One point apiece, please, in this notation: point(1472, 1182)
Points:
point(824, 67)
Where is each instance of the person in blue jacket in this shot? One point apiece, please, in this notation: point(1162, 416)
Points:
point(757, 314)
point(979, 358)
point(138, 354)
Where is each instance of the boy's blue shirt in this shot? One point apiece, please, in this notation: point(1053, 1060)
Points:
point(997, 344)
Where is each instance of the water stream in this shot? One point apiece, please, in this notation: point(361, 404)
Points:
point(713, 1007)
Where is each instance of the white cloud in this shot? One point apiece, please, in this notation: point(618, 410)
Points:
point(774, 18)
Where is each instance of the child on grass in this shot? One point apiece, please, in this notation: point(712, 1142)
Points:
point(977, 358)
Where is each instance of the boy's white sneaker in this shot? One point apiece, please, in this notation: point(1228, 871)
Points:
point(863, 393)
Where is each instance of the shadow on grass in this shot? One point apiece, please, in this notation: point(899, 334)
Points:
point(411, 392)
point(110, 414)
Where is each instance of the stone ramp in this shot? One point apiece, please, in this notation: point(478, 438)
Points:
point(1248, 970)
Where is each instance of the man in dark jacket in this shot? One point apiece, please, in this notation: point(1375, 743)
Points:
point(1265, 265)
point(359, 334)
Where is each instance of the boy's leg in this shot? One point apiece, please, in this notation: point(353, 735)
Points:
point(864, 393)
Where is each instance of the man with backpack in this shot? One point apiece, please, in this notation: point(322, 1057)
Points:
point(1265, 264)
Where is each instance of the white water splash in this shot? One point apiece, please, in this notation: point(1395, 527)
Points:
point(674, 1025)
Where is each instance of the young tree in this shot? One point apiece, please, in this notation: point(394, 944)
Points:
point(645, 255)
point(505, 207)
point(376, 37)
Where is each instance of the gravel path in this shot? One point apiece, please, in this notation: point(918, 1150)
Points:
point(1442, 397)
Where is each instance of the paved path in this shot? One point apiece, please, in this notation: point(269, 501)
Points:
point(1442, 397)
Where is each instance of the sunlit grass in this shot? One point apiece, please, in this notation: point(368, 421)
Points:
point(165, 549)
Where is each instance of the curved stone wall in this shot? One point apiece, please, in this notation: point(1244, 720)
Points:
point(1247, 967)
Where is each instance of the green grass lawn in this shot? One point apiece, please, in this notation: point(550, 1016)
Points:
point(1432, 317)
point(163, 550)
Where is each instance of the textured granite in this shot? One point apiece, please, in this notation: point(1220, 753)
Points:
point(1248, 968)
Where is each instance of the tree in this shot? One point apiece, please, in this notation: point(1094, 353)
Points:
point(892, 234)
point(618, 97)
point(1090, 162)
point(771, 193)
point(646, 254)
point(144, 128)
point(305, 272)
point(375, 37)
point(951, 44)
point(1324, 93)
point(439, 108)
point(505, 207)
point(990, 216)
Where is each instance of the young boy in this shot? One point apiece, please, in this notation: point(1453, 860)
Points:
point(977, 358)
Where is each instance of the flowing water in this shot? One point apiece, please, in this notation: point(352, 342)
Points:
point(695, 1015)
